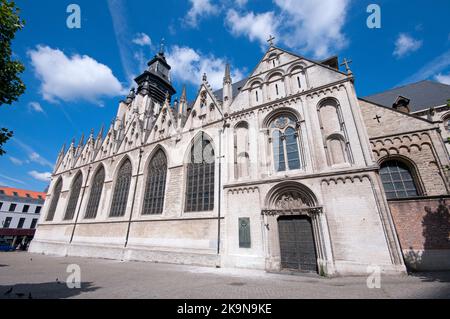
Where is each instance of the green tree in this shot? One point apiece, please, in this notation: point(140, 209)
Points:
point(11, 86)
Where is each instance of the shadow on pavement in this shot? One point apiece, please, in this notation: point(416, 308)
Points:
point(4, 266)
point(48, 290)
point(432, 276)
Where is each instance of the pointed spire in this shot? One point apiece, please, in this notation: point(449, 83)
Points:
point(183, 101)
point(100, 133)
point(183, 95)
point(81, 143)
point(63, 149)
point(227, 77)
point(161, 47)
point(167, 98)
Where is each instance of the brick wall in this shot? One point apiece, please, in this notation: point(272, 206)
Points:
point(422, 224)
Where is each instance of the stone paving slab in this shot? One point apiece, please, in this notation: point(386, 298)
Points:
point(42, 276)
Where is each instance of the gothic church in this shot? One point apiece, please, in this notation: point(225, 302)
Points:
point(285, 170)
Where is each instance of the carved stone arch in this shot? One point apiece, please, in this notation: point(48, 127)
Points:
point(199, 135)
point(326, 101)
point(445, 117)
point(283, 110)
point(273, 73)
point(74, 195)
point(296, 66)
point(55, 195)
point(152, 153)
point(255, 83)
point(290, 195)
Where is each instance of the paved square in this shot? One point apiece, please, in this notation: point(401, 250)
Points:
point(41, 276)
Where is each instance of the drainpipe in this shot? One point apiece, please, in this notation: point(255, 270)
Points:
point(220, 157)
point(220, 191)
point(81, 202)
point(134, 198)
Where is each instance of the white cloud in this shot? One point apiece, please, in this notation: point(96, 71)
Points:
point(12, 179)
point(35, 106)
point(16, 161)
point(445, 79)
point(430, 69)
point(43, 177)
point(32, 155)
point(307, 26)
point(257, 27)
point(142, 39)
point(405, 45)
point(241, 3)
point(73, 78)
point(188, 65)
point(314, 26)
point(198, 10)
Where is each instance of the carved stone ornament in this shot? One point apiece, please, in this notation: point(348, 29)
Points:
point(281, 122)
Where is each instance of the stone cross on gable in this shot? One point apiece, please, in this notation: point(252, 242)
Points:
point(346, 64)
point(271, 38)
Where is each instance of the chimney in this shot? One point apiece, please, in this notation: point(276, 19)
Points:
point(402, 104)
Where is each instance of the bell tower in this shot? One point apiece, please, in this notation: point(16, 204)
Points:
point(155, 81)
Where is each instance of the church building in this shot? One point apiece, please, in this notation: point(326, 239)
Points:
point(286, 170)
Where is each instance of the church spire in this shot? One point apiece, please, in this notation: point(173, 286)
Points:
point(183, 101)
point(227, 88)
point(155, 81)
point(227, 77)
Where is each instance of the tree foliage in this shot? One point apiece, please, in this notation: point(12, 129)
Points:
point(11, 86)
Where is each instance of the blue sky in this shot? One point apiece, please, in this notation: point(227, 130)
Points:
point(76, 77)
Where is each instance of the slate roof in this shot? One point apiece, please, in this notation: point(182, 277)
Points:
point(423, 95)
point(235, 87)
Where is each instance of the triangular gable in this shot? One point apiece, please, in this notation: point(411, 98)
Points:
point(88, 153)
point(165, 125)
point(134, 135)
point(205, 109)
point(382, 121)
point(108, 145)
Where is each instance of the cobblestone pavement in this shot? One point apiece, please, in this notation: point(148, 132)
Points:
point(41, 276)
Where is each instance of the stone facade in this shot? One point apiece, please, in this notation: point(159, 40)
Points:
point(292, 143)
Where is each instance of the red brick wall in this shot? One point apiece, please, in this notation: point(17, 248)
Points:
point(422, 224)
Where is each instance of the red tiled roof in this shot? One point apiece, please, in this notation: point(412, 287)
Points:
point(22, 193)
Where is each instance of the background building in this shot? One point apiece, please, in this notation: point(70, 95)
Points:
point(19, 214)
point(409, 132)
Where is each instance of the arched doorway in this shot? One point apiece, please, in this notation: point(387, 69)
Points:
point(297, 246)
point(296, 230)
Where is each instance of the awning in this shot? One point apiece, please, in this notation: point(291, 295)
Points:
point(16, 232)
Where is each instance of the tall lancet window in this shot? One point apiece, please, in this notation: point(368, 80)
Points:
point(121, 190)
point(74, 195)
point(156, 185)
point(55, 199)
point(96, 193)
point(285, 143)
point(241, 151)
point(200, 176)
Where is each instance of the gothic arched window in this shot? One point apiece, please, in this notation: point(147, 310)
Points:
point(74, 195)
point(398, 180)
point(156, 185)
point(200, 176)
point(55, 199)
point(121, 190)
point(285, 143)
point(96, 193)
